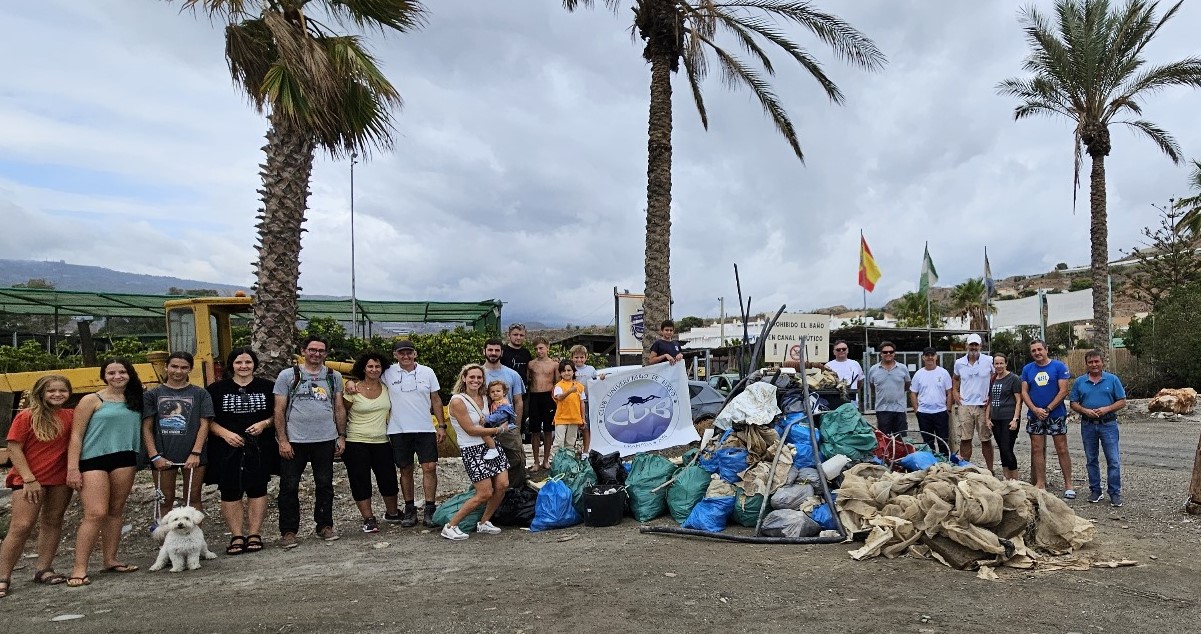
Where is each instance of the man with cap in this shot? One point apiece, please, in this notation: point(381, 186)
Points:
point(930, 394)
point(971, 378)
point(413, 390)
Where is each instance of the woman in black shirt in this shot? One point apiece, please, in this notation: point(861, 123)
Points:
point(1004, 412)
point(242, 452)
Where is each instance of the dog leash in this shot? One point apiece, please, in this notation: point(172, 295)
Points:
point(159, 497)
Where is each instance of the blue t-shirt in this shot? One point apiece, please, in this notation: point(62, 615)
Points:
point(1042, 384)
point(1103, 393)
point(505, 375)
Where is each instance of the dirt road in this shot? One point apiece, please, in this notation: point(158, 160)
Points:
point(617, 580)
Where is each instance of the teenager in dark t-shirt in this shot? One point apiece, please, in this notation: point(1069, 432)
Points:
point(514, 354)
point(666, 348)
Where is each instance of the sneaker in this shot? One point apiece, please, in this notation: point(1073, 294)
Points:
point(1069, 494)
point(392, 517)
point(487, 528)
point(370, 525)
point(1115, 501)
point(288, 541)
point(491, 454)
point(453, 533)
point(428, 516)
point(1093, 498)
point(327, 533)
point(410, 517)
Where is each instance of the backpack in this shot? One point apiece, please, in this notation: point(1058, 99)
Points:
point(329, 381)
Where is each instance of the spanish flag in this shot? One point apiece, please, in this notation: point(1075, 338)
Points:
point(868, 271)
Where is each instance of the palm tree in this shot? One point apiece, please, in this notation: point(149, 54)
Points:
point(1190, 222)
point(683, 32)
point(320, 89)
point(913, 311)
point(1089, 67)
point(968, 300)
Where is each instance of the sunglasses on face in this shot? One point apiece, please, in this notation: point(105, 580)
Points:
point(888, 352)
point(840, 350)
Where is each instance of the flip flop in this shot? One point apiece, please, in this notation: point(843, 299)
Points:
point(78, 582)
point(254, 543)
point(4, 585)
point(49, 577)
point(121, 568)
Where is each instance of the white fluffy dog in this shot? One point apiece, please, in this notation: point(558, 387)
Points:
point(183, 542)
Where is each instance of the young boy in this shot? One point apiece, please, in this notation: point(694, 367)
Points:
point(666, 348)
point(583, 374)
point(543, 371)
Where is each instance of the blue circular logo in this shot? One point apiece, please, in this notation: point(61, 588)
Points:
point(639, 411)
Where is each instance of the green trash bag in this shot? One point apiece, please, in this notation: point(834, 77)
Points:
point(447, 510)
point(843, 431)
point(746, 509)
point(579, 477)
point(564, 462)
point(647, 472)
point(686, 491)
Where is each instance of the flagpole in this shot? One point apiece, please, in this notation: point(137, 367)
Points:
point(988, 299)
point(929, 311)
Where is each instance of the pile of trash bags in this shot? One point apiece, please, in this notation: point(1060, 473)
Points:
point(963, 517)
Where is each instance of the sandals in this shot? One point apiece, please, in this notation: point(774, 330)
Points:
point(78, 582)
point(237, 545)
point(49, 577)
point(119, 569)
point(254, 543)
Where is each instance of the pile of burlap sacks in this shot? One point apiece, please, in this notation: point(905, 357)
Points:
point(988, 522)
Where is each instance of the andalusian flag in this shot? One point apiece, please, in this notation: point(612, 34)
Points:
point(868, 271)
point(990, 285)
point(929, 273)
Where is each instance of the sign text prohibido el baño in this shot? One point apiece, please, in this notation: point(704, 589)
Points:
point(784, 341)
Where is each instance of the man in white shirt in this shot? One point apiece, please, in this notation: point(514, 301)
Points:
point(930, 395)
point(413, 390)
point(847, 370)
point(970, 381)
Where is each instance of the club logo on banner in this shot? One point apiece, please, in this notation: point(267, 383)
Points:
point(637, 409)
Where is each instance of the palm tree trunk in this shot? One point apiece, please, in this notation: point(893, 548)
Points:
point(1099, 233)
point(285, 196)
point(657, 305)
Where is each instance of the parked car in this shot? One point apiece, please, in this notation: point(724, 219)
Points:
point(706, 401)
point(724, 382)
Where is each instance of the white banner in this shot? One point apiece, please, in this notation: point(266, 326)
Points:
point(630, 323)
point(635, 409)
point(1074, 306)
point(1016, 312)
point(784, 341)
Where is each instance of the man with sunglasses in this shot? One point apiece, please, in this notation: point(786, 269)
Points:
point(413, 390)
point(310, 425)
point(847, 370)
point(890, 383)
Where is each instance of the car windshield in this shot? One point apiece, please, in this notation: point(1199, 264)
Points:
point(694, 391)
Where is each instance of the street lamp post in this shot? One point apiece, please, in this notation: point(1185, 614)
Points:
point(354, 301)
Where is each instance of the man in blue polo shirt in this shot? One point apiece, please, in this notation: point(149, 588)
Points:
point(1097, 396)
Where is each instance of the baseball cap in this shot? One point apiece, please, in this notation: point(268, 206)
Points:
point(929, 352)
point(403, 344)
point(973, 338)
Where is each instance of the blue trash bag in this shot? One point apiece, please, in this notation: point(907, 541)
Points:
point(554, 509)
point(710, 514)
point(960, 462)
point(799, 437)
point(708, 460)
point(731, 461)
point(824, 516)
point(918, 460)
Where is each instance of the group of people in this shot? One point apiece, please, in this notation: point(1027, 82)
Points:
point(989, 401)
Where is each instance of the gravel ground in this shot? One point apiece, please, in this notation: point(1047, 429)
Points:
point(615, 579)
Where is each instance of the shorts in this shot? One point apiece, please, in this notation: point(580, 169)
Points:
point(893, 423)
point(424, 444)
point(110, 462)
point(542, 413)
point(1050, 427)
point(972, 422)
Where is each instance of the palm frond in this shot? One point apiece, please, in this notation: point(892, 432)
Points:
point(694, 75)
point(249, 52)
point(572, 5)
point(847, 42)
point(226, 10)
point(398, 15)
point(736, 73)
point(745, 26)
point(1162, 139)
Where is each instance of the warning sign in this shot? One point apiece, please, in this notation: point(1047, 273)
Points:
point(785, 340)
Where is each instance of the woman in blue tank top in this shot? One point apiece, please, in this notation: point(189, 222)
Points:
point(101, 462)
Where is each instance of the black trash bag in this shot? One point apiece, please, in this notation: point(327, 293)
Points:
point(517, 509)
point(607, 467)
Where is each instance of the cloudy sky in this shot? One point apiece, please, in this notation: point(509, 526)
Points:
point(519, 168)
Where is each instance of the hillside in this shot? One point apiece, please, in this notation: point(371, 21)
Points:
point(76, 277)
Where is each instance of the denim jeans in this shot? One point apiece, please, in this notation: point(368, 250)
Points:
point(1105, 435)
point(321, 455)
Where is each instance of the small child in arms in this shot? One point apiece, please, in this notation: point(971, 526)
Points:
point(501, 414)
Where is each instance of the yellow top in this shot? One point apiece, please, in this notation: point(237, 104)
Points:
point(367, 418)
point(570, 410)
